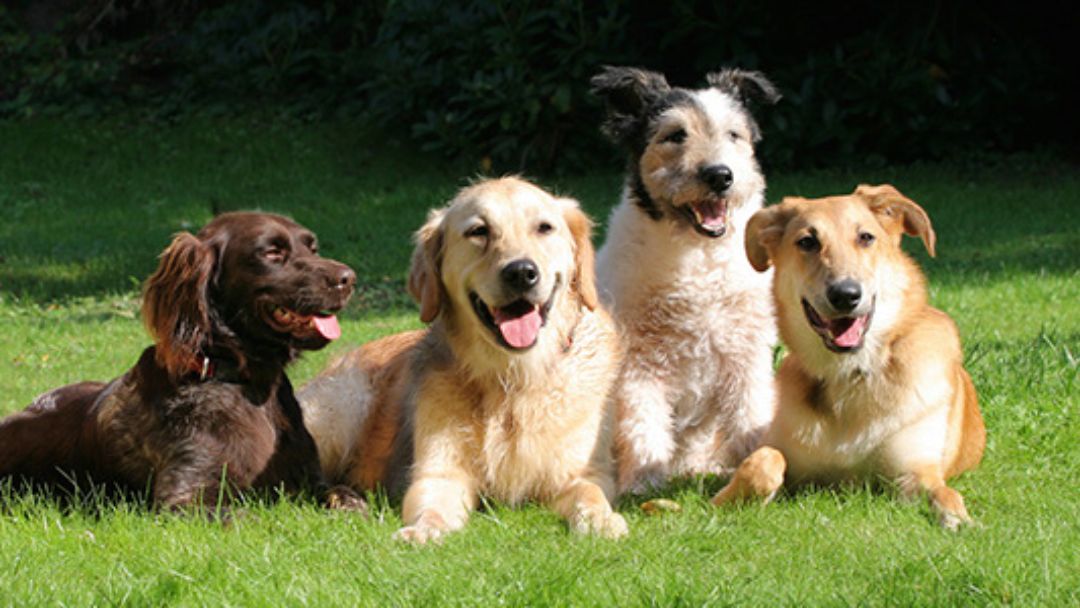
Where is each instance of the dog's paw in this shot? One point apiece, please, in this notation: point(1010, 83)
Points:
point(418, 534)
point(344, 498)
point(758, 477)
point(950, 509)
point(954, 521)
point(604, 524)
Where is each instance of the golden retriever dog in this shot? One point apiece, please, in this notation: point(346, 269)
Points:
point(506, 394)
point(696, 387)
point(874, 383)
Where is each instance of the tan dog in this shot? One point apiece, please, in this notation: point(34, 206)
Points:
point(506, 394)
point(874, 383)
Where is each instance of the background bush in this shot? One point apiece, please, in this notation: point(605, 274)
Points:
point(504, 83)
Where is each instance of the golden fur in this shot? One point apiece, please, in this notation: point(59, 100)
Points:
point(479, 417)
point(900, 404)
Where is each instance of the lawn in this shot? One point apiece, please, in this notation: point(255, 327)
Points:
point(86, 207)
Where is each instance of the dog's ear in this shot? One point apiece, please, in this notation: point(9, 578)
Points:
point(584, 281)
point(747, 86)
point(425, 280)
point(627, 94)
point(763, 234)
point(175, 304)
point(898, 214)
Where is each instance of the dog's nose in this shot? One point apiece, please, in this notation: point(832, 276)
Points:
point(345, 278)
point(844, 295)
point(718, 177)
point(520, 275)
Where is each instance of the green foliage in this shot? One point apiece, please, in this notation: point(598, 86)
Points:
point(502, 80)
point(505, 84)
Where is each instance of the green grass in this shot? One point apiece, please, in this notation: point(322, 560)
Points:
point(85, 209)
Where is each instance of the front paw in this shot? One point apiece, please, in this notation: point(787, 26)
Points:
point(950, 509)
point(419, 534)
point(344, 498)
point(606, 524)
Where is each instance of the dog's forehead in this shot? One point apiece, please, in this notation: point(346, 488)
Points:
point(709, 107)
point(834, 213)
point(504, 201)
point(249, 225)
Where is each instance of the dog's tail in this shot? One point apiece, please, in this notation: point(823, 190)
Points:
point(45, 443)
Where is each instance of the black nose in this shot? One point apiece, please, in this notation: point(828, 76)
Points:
point(844, 295)
point(520, 275)
point(718, 177)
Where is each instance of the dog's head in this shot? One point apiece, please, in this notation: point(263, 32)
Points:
point(836, 261)
point(500, 259)
point(251, 281)
point(692, 151)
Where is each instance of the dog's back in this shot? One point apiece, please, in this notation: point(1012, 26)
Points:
point(49, 442)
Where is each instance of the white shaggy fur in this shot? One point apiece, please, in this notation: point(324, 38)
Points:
point(696, 387)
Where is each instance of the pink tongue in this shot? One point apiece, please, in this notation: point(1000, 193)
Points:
point(328, 327)
point(519, 332)
point(711, 213)
point(849, 335)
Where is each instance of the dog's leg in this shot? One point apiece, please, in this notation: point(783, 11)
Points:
point(435, 505)
point(587, 510)
point(946, 502)
point(644, 444)
point(758, 477)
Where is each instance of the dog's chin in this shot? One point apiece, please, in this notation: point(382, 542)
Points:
point(515, 326)
point(708, 216)
point(306, 330)
point(840, 334)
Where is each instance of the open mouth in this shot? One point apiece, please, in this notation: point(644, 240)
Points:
point(842, 334)
point(708, 216)
point(322, 323)
point(516, 325)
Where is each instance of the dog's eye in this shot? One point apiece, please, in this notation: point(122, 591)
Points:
point(734, 135)
point(544, 228)
point(808, 243)
point(477, 232)
point(675, 137)
point(866, 239)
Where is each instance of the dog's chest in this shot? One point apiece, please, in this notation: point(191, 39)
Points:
point(525, 447)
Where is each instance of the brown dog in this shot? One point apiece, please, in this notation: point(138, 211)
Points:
point(210, 401)
point(506, 395)
point(874, 382)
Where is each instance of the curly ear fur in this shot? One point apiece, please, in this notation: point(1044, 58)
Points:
point(763, 233)
point(627, 94)
point(747, 87)
point(425, 280)
point(898, 214)
point(744, 85)
point(584, 280)
point(175, 307)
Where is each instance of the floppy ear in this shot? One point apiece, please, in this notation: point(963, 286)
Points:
point(584, 280)
point(763, 233)
point(898, 214)
point(175, 307)
point(748, 87)
point(745, 85)
point(627, 94)
point(425, 281)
